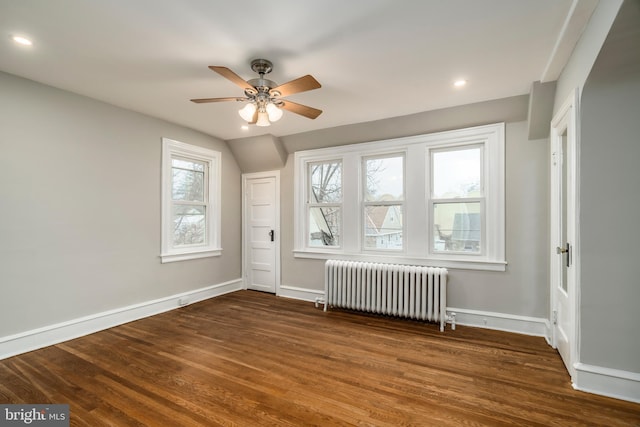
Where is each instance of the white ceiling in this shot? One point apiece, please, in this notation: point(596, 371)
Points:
point(374, 58)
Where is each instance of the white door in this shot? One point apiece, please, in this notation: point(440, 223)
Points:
point(564, 292)
point(261, 231)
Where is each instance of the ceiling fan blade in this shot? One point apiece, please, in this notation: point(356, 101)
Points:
point(203, 100)
point(301, 84)
point(303, 110)
point(230, 75)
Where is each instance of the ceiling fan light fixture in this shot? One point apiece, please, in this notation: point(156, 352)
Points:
point(273, 112)
point(263, 119)
point(262, 95)
point(247, 112)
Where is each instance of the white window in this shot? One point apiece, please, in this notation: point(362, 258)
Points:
point(434, 199)
point(383, 202)
point(457, 200)
point(190, 202)
point(324, 204)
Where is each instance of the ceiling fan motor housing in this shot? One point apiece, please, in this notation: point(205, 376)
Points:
point(261, 66)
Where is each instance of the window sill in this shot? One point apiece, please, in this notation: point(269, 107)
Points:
point(184, 256)
point(472, 264)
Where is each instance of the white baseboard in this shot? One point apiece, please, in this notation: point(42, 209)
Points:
point(53, 334)
point(609, 382)
point(534, 326)
point(299, 293)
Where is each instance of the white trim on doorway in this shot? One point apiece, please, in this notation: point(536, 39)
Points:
point(565, 121)
point(245, 178)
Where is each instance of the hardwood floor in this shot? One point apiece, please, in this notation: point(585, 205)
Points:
point(249, 359)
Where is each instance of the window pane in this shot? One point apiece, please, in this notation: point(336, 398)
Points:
point(384, 179)
point(189, 226)
point(187, 164)
point(457, 173)
point(324, 226)
point(326, 182)
point(383, 227)
point(457, 227)
point(187, 184)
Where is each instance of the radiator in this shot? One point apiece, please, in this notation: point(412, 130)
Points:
point(413, 292)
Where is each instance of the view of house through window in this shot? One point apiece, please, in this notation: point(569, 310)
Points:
point(457, 198)
point(434, 199)
point(383, 202)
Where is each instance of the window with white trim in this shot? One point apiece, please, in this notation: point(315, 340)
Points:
point(435, 199)
point(383, 202)
point(456, 204)
point(324, 204)
point(190, 202)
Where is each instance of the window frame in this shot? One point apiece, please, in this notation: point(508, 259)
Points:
point(169, 252)
point(417, 232)
point(311, 204)
point(365, 203)
point(432, 200)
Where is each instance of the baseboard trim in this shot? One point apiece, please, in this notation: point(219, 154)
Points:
point(534, 326)
point(299, 293)
point(608, 382)
point(53, 334)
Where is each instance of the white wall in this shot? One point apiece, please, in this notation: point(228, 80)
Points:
point(80, 208)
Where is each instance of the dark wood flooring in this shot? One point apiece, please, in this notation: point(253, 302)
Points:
point(251, 359)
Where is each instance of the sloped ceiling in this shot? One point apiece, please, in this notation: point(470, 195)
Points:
point(375, 59)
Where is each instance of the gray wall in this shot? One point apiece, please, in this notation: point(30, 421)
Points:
point(586, 50)
point(80, 208)
point(610, 200)
point(522, 289)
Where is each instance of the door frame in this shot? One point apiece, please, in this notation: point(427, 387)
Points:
point(566, 119)
point(246, 177)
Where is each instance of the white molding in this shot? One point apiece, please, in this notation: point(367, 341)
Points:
point(534, 326)
point(212, 158)
point(570, 33)
point(491, 137)
point(173, 257)
point(389, 258)
point(53, 334)
point(245, 225)
point(566, 304)
point(299, 293)
point(609, 382)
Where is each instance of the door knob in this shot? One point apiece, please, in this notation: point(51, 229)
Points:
point(272, 235)
point(565, 250)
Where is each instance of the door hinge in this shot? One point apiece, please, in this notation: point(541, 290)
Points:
point(554, 317)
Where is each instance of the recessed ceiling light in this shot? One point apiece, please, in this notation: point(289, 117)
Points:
point(459, 83)
point(22, 40)
point(244, 127)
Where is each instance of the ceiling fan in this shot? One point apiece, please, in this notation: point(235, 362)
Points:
point(265, 97)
